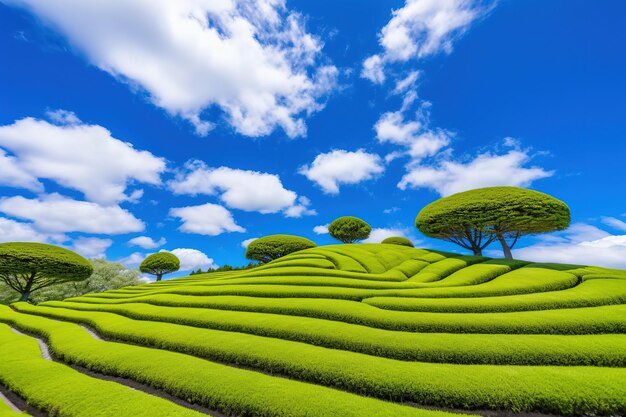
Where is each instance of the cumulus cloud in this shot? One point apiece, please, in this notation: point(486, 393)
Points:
point(415, 135)
point(12, 231)
point(91, 247)
point(422, 28)
point(486, 170)
point(133, 260)
point(321, 229)
point(206, 219)
point(240, 189)
point(76, 155)
point(253, 59)
point(246, 242)
point(13, 174)
point(597, 247)
point(191, 259)
point(54, 213)
point(379, 234)
point(331, 169)
point(147, 242)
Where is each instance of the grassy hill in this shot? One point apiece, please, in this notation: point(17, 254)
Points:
point(337, 331)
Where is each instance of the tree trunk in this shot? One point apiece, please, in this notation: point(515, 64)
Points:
point(159, 276)
point(26, 291)
point(478, 252)
point(505, 247)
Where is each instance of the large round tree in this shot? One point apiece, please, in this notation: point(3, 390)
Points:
point(159, 264)
point(348, 229)
point(28, 267)
point(475, 218)
point(268, 248)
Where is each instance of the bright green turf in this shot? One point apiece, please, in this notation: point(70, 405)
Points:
point(385, 321)
point(590, 293)
point(597, 350)
point(227, 389)
point(60, 390)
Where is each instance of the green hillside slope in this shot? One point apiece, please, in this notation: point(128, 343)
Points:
point(340, 330)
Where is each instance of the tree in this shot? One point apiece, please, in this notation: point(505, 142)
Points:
point(28, 267)
point(160, 264)
point(106, 276)
point(473, 219)
point(349, 229)
point(398, 240)
point(268, 248)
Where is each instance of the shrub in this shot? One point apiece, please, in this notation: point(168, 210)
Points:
point(28, 267)
point(272, 247)
point(160, 264)
point(398, 240)
point(349, 229)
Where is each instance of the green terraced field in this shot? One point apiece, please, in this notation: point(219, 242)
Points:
point(341, 330)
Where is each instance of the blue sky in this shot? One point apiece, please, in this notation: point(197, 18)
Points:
point(131, 127)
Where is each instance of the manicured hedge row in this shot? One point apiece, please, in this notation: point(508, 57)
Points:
point(520, 281)
point(591, 293)
point(59, 390)
point(235, 313)
point(564, 391)
point(230, 390)
point(439, 270)
point(595, 350)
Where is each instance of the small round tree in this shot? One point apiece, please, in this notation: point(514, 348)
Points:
point(349, 229)
point(28, 267)
point(475, 218)
point(398, 240)
point(268, 248)
point(160, 264)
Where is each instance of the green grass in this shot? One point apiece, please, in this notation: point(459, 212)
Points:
point(519, 349)
point(359, 330)
point(590, 293)
point(568, 389)
point(227, 389)
point(59, 390)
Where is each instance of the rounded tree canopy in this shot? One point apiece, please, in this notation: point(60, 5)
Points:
point(494, 208)
point(398, 240)
point(160, 263)
point(25, 258)
point(268, 248)
point(349, 229)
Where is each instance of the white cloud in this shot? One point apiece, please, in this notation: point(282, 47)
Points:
point(147, 242)
point(422, 28)
point(486, 170)
point(191, 259)
point(406, 83)
point(240, 189)
point(12, 231)
point(391, 210)
point(373, 69)
point(57, 214)
point(206, 219)
point(330, 169)
point(321, 229)
point(379, 234)
point(91, 247)
point(614, 223)
point(598, 248)
point(251, 58)
point(76, 155)
point(133, 260)
point(14, 175)
point(415, 135)
point(246, 242)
